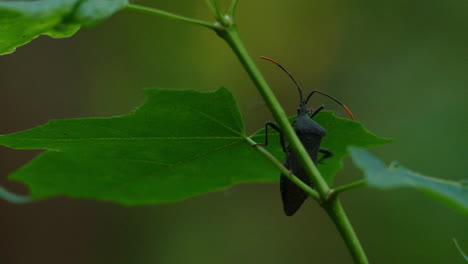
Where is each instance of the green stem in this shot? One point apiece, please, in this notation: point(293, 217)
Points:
point(311, 192)
point(158, 12)
point(212, 8)
point(460, 250)
point(219, 14)
point(13, 198)
point(232, 9)
point(338, 215)
point(333, 207)
point(335, 191)
point(232, 38)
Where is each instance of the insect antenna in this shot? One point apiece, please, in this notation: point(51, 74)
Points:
point(289, 74)
point(334, 99)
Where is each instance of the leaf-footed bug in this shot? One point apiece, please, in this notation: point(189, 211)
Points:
point(310, 134)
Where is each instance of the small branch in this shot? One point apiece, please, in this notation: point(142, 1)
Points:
point(346, 187)
point(312, 193)
point(212, 8)
point(219, 14)
point(14, 198)
point(232, 9)
point(158, 12)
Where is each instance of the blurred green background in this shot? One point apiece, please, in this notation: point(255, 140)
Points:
point(401, 66)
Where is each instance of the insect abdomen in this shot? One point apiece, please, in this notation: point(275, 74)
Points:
point(292, 196)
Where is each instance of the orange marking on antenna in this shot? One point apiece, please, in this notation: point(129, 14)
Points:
point(268, 59)
point(348, 111)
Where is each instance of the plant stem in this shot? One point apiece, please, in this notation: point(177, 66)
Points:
point(219, 13)
point(333, 207)
point(158, 12)
point(13, 198)
point(338, 215)
point(335, 191)
point(232, 9)
point(231, 36)
point(460, 250)
point(311, 192)
point(211, 7)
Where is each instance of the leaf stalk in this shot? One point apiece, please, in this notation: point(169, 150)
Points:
point(219, 14)
point(346, 187)
point(154, 11)
point(232, 9)
point(13, 198)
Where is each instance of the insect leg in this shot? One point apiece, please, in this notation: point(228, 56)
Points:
point(320, 108)
point(275, 127)
point(327, 154)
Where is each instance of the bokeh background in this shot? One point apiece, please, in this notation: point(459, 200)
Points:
point(401, 66)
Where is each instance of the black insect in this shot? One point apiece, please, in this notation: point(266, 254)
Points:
point(310, 133)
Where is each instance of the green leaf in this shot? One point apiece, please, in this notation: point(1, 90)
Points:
point(454, 194)
point(341, 133)
point(177, 145)
point(23, 21)
point(91, 12)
